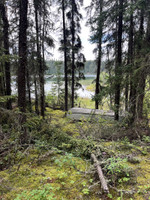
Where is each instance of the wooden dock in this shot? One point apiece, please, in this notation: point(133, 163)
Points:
point(85, 113)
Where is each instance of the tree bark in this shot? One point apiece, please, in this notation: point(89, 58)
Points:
point(97, 89)
point(143, 74)
point(2, 84)
point(41, 70)
point(138, 85)
point(65, 56)
point(73, 54)
point(129, 104)
point(118, 70)
point(22, 55)
point(28, 90)
point(36, 97)
point(127, 93)
point(100, 174)
point(141, 94)
point(132, 100)
point(6, 49)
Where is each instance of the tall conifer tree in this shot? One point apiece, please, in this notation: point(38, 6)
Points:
point(23, 24)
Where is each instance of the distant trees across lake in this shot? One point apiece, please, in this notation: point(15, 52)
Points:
point(90, 67)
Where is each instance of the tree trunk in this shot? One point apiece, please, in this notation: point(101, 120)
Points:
point(132, 100)
point(2, 84)
point(23, 10)
point(6, 48)
point(41, 70)
point(73, 54)
point(65, 57)
point(36, 97)
point(22, 55)
point(97, 89)
point(28, 90)
point(143, 74)
point(148, 26)
point(100, 174)
point(141, 94)
point(136, 84)
point(118, 70)
point(127, 93)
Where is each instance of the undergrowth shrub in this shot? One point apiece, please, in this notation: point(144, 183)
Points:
point(46, 135)
point(42, 193)
point(34, 123)
point(118, 170)
point(51, 101)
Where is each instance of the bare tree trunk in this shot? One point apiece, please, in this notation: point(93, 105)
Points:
point(65, 57)
point(97, 89)
point(41, 71)
point(22, 65)
point(132, 100)
point(73, 54)
point(100, 174)
point(135, 77)
point(36, 97)
point(43, 53)
point(148, 26)
point(2, 84)
point(127, 93)
point(118, 70)
point(6, 48)
point(28, 90)
point(143, 73)
point(22, 55)
point(141, 94)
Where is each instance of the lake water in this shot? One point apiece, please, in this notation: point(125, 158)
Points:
point(50, 85)
point(82, 92)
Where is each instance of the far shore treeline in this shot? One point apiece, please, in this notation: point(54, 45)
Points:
point(89, 68)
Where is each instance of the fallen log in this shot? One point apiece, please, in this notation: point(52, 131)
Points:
point(100, 174)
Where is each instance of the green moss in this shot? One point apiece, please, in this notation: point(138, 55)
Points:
point(85, 103)
point(64, 176)
point(91, 87)
point(140, 183)
point(63, 173)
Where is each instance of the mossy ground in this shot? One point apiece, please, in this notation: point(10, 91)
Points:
point(65, 175)
point(138, 160)
point(56, 174)
point(89, 103)
point(85, 103)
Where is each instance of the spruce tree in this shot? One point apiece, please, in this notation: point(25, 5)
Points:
point(75, 55)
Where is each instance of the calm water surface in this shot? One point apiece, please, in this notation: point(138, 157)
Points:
point(51, 86)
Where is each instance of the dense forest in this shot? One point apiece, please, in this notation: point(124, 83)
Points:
point(120, 31)
point(44, 154)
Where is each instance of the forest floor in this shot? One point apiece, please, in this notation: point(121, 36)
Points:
point(56, 164)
